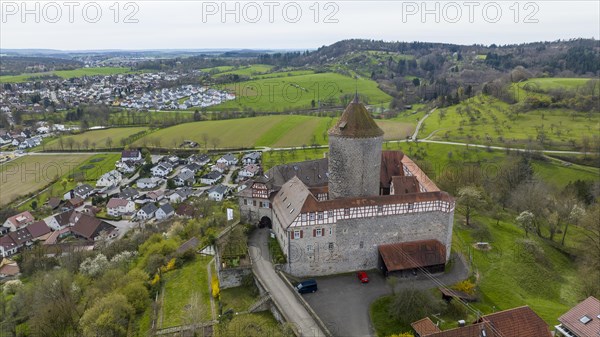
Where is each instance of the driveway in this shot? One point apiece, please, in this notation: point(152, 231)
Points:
point(343, 303)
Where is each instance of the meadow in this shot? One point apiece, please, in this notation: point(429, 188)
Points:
point(268, 131)
point(96, 139)
point(251, 70)
point(297, 92)
point(30, 173)
point(488, 121)
point(181, 288)
point(65, 74)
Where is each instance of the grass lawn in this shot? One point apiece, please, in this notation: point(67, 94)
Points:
point(383, 322)
point(261, 324)
point(247, 70)
point(485, 120)
point(238, 298)
point(274, 158)
point(97, 139)
point(180, 287)
point(296, 92)
point(29, 173)
point(65, 74)
point(560, 82)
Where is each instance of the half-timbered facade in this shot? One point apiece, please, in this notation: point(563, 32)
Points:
point(323, 233)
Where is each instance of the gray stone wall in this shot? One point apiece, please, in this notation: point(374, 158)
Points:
point(355, 242)
point(354, 166)
point(252, 214)
point(232, 277)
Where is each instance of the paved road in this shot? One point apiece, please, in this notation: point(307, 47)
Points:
point(414, 136)
point(293, 311)
point(343, 303)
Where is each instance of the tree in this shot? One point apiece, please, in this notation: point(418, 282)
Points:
point(410, 304)
point(532, 196)
point(70, 142)
point(469, 198)
point(205, 139)
point(109, 142)
point(215, 142)
point(107, 317)
point(86, 143)
point(197, 115)
point(525, 220)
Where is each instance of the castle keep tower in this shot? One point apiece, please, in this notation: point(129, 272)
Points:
point(354, 154)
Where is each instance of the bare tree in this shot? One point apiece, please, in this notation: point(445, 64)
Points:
point(109, 142)
point(215, 141)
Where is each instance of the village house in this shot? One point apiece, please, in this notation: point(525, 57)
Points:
point(146, 183)
point(111, 178)
point(125, 167)
point(193, 167)
point(219, 167)
point(185, 178)
point(118, 207)
point(251, 158)
point(228, 159)
point(200, 159)
point(218, 192)
point(179, 194)
point(161, 170)
point(92, 228)
point(131, 156)
point(82, 191)
point(165, 211)
point(146, 212)
point(211, 178)
point(23, 237)
point(18, 221)
point(516, 322)
point(155, 196)
point(62, 220)
point(172, 160)
point(9, 268)
point(129, 193)
point(583, 320)
point(249, 171)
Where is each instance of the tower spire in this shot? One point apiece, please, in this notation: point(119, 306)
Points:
point(355, 91)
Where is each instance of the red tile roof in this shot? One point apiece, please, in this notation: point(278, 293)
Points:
point(116, 202)
point(413, 254)
point(589, 307)
point(38, 229)
point(21, 219)
point(425, 327)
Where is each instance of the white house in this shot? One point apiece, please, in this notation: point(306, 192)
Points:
point(117, 207)
point(200, 159)
point(62, 220)
point(217, 193)
point(81, 191)
point(161, 170)
point(251, 158)
point(149, 182)
point(180, 194)
point(125, 167)
point(249, 170)
point(131, 155)
point(211, 177)
point(18, 221)
point(111, 178)
point(228, 159)
point(165, 211)
point(185, 178)
point(146, 212)
point(193, 167)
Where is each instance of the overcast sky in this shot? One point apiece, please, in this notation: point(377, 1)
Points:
point(78, 25)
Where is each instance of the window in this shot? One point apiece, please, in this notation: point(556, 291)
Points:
point(330, 231)
point(361, 244)
point(379, 208)
point(320, 215)
point(303, 216)
point(346, 211)
point(309, 248)
point(311, 216)
point(296, 235)
point(254, 203)
point(291, 211)
point(331, 246)
point(410, 206)
point(330, 214)
point(319, 232)
point(266, 203)
point(245, 202)
point(585, 319)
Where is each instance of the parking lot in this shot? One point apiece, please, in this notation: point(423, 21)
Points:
point(343, 303)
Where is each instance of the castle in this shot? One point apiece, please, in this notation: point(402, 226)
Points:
point(361, 208)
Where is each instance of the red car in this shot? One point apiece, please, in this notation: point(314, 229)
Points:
point(362, 276)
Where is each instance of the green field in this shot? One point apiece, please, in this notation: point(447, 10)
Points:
point(270, 131)
point(96, 139)
point(247, 70)
point(181, 286)
point(485, 120)
point(218, 69)
point(261, 324)
point(296, 92)
point(87, 171)
point(546, 84)
point(28, 174)
point(65, 74)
